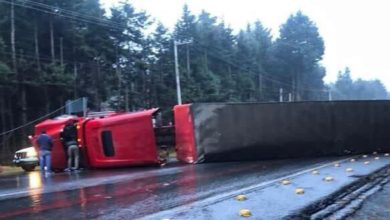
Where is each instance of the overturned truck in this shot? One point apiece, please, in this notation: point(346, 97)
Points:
point(110, 139)
point(213, 132)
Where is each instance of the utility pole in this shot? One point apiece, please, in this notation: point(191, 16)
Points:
point(178, 89)
point(62, 54)
point(188, 61)
point(36, 44)
point(13, 47)
point(261, 96)
point(52, 50)
point(281, 95)
point(329, 95)
point(75, 79)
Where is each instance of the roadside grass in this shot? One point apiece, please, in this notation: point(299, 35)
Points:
point(6, 170)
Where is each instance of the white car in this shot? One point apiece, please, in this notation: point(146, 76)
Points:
point(27, 158)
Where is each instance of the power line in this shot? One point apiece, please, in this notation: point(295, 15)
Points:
point(249, 71)
point(48, 59)
point(35, 120)
point(56, 12)
point(72, 13)
point(264, 74)
point(61, 10)
point(269, 92)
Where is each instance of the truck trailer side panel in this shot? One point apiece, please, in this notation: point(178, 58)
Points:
point(252, 131)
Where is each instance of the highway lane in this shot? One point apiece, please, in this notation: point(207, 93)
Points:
point(278, 200)
point(133, 192)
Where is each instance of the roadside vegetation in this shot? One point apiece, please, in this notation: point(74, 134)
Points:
point(54, 50)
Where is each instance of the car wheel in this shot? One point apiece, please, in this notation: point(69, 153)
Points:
point(28, 168)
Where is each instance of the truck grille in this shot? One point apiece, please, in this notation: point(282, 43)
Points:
point(21, 155)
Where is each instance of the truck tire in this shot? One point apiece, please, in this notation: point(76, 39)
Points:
point(28, 168)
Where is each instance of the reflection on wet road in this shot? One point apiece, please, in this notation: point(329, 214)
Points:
point(132, 192)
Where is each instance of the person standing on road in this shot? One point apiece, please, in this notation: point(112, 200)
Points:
point(45, 144)
point(69, 139)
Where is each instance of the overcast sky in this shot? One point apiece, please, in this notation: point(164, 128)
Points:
point(356, 32)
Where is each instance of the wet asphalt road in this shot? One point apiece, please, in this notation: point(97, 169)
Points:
point(274, 200)
point(133, 192)
point(376, 207)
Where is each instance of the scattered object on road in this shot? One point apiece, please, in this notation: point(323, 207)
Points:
point(328, 179)
point(241, 198)
point(349, 169)
point(364, 156)
point(245, 213)
point(299, 191)
point(352, 160)
point(377, 158)
point(315, 172)
point(285, 182)
point(366, 162)
point(386, 154)
point(337, 165)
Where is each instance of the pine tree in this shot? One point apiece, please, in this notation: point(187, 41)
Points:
point(299, 49)
point(343, 88)
point(347, 89)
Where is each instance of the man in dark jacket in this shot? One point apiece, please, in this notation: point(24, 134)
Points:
point(69, 139)
point(45, 144)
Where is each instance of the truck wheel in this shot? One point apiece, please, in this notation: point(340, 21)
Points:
point(28, 168)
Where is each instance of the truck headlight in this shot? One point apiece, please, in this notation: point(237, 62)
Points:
point(32, 152)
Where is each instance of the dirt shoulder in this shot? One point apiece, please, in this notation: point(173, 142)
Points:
point(6, 170)
point(377, 206)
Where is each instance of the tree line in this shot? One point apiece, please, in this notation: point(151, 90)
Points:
point(345, 88)
point(54, 50)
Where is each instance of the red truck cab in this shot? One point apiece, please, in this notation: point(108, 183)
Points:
point(109, 140)
point(122, 139)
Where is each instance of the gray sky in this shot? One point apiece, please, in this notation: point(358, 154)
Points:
point(355, 31)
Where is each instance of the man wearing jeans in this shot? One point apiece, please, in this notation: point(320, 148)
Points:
point(45, 144)
point(69, 139)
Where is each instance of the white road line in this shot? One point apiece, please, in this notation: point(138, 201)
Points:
point(248, 189)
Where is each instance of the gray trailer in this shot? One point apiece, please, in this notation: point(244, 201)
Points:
point(212, 132)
